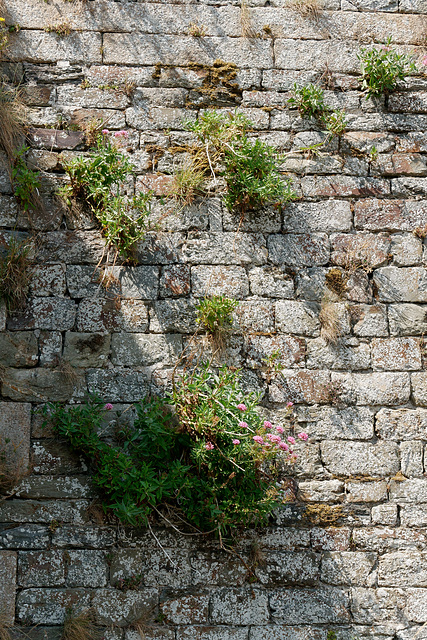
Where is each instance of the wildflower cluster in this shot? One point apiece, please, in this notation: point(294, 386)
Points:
point(97, 180)
point(213, 461)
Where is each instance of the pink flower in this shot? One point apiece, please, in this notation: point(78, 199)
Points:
point(273, 438)
point(209, 446)
point(236, 441)
point(294, 457)
point(283, 446)
point(243, 425)
point(280, 429)
point(105, 132)
point(303, 435)
point(258, 439)
point(242, 407)
point(290, 404)
point(108, 406)
point(424, 60)
point(267, 424)
point(291, 439)
point(119, 134)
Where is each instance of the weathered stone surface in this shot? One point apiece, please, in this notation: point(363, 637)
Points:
point(284, 568)
point(348, 423)
point(366, 491)
point(405, 568)
point(296, 606)
point(117, 385)
point(55, 487)
point(122, 608)
point(87, 569)
point(297, 317)
point(301, 387)
point(112, 314)
point(271, 282)
point(28, 536)
point(369, 320)
point(8, 586)
point(15, 425)
point(88, 536)
point(384, 388)
point(411, 459)
point(257, 348)
point(355, 251)
point(335, 215)
point(384, 514)
point(300, 250)
point(232, 606)
point(39, 385)
point(348, 568)
point(321, 355)
point(192, 609)
point(221, 280)
point(321, 491)
point(48, 280)
point(43, 511)
point(406, 250)
point(228, 248)
point(401, 424)
point(416, 605)
point(419, 389)
point(396, 354)
point(359, 458)
point(401, 285)
point(49, 606)
point(173, 316)
point(407, 319)
point(139, 349)
point(86, 349)
point(175, 281)
point(71, 247)
point(409, 491)
point(41, 569)
point(372, 606)
point(254, 316)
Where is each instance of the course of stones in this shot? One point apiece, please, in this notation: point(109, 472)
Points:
point(347, 557)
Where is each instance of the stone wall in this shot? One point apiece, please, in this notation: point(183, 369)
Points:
point(348, 553)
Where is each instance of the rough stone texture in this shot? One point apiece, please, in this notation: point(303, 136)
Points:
point(347, 552)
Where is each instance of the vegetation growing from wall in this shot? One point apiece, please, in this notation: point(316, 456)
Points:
point(98, 180)
point(383, 68)
point(213, 461)
point(15, 272)
point(249, 168)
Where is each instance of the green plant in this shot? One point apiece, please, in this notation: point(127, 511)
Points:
point(15, 272)
point(248, 167)
point(126, 584)
point(383, 68)
point(212, 462)
point(215, 316)
point(98, 179)
point(309, 100)
point(336, 122)
point(26, 182)
point(331, 635)
point(4, 34)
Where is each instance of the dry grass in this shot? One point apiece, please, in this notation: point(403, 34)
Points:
point(331, 330)
point(196, 30)
point(188, 181)
point(5, 626)
point(80, 626)
point(245, 20)
point(306, 8)
point(15, 273)
point(13, 115)
point(61, 30)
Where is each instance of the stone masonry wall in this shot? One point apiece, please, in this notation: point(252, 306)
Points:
point(348, 553)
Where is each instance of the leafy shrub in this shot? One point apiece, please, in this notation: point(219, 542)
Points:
point(213, 462)
point(215, 313)
point(97, 179)
point(309, 100)
point(15, 273)
point(26, 182)
point(383, 68)
point(249, 168)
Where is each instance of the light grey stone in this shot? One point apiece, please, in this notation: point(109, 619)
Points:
point(369, 320)
point(385, 388)
point(360, 458)
point(321, 491)
point(173, 315)
point(366, 491)
point(406, 250)
point(296, 317)
point(8, 586)
point(411, 455)
point(409, 491)
point(271, 282)
point(233, 606)
point(141, 350)
point(49, 606)
point(348, 568)
point(408, 568)
point(406, 284)
point(321, 355)
point(384, 514)
point(225, 248)
point(298, 250)
point(419, 388)
point(86, 349)
point(348, 423)
point(373, 606)
point(230, 281)
point(284, 568)
point(86, 568)
point(323, 605)
point(407, 319)
point(329, 216)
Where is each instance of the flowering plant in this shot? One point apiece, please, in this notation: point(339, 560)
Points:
point(213, 460)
